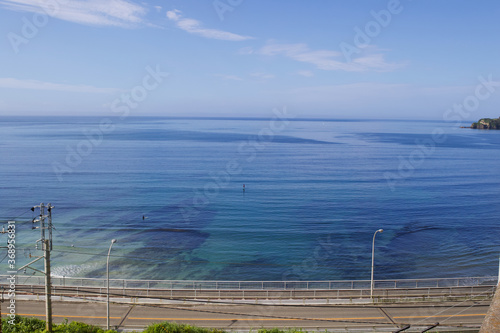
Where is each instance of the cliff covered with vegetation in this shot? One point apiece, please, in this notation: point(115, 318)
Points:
point(487, 123)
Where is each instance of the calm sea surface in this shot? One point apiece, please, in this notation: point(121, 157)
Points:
point(315, 193)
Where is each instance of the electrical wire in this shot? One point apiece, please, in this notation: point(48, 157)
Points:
point(266, 316)
point(457, 305)
point(221, 302)
point(17, 217)
point(239, 314)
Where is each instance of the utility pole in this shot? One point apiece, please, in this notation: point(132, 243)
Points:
point(46, 246)
point(48, 301)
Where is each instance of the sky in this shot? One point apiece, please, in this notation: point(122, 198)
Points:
point(401, 59)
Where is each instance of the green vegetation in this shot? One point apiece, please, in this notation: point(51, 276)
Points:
point(167, 327)
point(487, 123)
point(33, 325)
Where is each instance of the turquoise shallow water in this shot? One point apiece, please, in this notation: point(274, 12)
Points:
point(315, 192)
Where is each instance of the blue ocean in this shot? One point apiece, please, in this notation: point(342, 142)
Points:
point(254, 199)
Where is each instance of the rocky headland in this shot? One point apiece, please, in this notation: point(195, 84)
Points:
point(487, 123)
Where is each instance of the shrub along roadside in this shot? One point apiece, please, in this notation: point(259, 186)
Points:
point(34, 325)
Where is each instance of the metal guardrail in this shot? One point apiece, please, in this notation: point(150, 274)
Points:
point(257, 285)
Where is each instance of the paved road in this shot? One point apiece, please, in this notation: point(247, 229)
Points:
point(247, 316)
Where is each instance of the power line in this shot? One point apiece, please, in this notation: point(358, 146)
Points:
point(235, 313)
point(215, 302)
point(267, 305)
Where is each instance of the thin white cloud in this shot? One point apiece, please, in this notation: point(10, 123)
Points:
point(306, 73)
point(120, 13)
point(195, 27)
point(264, 76)
point(229, 77)
point(326, 59)
point(246, 50)
point(353, 90)
point(40, 85)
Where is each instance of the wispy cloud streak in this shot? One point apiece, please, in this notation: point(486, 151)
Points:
point(195, 27)
point(13, 83)
point(229, 77)
point(326, 59)
point(120, 13)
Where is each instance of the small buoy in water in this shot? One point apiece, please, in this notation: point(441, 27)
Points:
point(144, 217)
point(243, 187)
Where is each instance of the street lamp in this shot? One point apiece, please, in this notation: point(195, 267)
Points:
point(373, 257)
point(107, 278)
